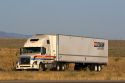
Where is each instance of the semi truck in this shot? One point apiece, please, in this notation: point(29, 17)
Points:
point(57, 51)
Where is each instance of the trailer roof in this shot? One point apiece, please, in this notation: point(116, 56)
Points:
point(72, 35)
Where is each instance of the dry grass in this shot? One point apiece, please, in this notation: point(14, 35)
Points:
point(11, 43)
point(9, 52)
point(115, 70)
point(8, 58)
point(117, 48)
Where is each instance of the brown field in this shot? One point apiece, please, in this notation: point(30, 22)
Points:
point(9, 52)
point(11, 43)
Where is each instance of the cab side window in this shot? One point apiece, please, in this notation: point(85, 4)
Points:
point(43, 50)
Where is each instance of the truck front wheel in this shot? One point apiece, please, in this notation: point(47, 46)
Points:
point(42, 67)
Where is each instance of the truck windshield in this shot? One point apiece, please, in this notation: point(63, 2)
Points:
point(30, 50)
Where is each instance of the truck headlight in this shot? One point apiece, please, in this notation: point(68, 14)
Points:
point(17, 66)
point(34, 63)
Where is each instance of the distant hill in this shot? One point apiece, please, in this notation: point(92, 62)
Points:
point(12, 35)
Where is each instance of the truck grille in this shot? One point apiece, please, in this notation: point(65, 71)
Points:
point(25, 60)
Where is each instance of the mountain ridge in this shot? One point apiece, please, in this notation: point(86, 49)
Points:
point(12, 35)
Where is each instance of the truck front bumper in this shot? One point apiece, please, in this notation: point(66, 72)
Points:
point(19, 67)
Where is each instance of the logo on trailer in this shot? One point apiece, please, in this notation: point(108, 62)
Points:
point(99, 45)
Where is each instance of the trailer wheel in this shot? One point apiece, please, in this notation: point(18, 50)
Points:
point(96, 68)
point(99, 68)
point(93, 67)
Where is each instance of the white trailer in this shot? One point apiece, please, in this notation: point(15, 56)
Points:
point(57, 51)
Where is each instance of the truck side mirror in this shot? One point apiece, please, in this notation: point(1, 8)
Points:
point(20, 51)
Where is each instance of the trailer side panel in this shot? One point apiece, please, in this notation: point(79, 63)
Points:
point(82, 49)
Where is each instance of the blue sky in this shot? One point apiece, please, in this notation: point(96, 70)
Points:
point(93, 18)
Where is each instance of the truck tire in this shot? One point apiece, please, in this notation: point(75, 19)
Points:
point(95, 68)
point(99, 68)
point(58, 67)
point(63, 67)
point(42, 67)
